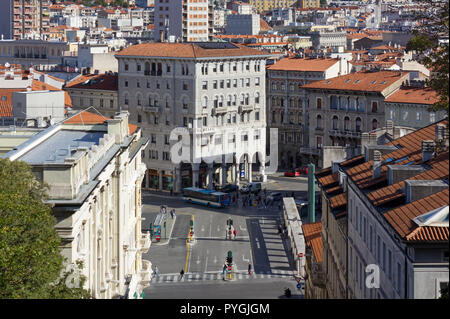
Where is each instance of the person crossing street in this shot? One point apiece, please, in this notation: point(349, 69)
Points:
point(181, 274)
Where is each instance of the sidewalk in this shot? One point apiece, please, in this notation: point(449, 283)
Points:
point(169, 228)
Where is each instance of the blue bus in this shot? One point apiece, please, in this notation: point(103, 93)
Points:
point(205, 197)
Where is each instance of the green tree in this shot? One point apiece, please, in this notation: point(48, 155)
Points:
point(434, 54)
point(31, 265)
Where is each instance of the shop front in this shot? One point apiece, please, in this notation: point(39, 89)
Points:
point(167, 180)
point(153, 179)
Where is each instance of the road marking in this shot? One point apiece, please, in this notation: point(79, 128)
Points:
point(257, 243)
point(215, 259)
point(246, 260)
point(206, 263)
point(242, 229)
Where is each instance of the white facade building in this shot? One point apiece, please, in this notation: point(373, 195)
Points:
point(94, 171)
point(216, 91)
point(243, 24)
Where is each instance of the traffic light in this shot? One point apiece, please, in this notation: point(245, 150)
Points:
point(230, 257)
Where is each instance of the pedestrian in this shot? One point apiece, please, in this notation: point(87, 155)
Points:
point(172, 213)
point(223, 271)
point(229, 232)
point(155, 272)
point(235, 233)
point(181, 274)
point(249, 268)
point(171, 191)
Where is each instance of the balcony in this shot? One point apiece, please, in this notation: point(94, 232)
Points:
point(310, 150)
point(245, 108)
point(146, 272)
point(345, 133)
point(151, 109)
point(219, 110)
point(145, 242)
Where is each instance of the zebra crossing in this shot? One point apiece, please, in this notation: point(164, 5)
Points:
point(210, 276)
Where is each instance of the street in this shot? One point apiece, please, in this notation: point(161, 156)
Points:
point(257, 242)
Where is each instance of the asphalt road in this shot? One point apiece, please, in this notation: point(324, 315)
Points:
point(257, 242)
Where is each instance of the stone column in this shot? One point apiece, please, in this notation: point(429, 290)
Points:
point(177, 181)
point(210, 176)
point(195, 169)
point(237, 173)
point(160, 179)
point(249, 172)
point(223, 174)
point(262, 172)
point(147, 178)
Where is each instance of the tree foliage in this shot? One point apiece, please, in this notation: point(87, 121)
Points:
point(31, 265)
point(434, 54)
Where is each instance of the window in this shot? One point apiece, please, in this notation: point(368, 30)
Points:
point(222, 84)
point(215, 84)
point(318, 141)
point(126, 84)
point(390, 264)
point(247, 82)
point(256, 116)
point(101, 102)
point(374, 106)
point(221, 67)
point(228, 84)
point(111, 103)
point(235, 83)
point(405, 115)
point(378, 249)
point(185, 86)
point(358, 124)
point(384, 257)
point(319, 103)
point(205, 85)
point(319, 122)
point(257, 98)
point(126, 66)
point(139, 118)
point(432, 117)
point(365, 230)
point(205, 121)
point(347, 123)
point(419, 116)
point(138, 67)
point(399, 278)
point(204, 102)
point(166, 139)
point(138, 84)
point(256, 81)
point(371, 238)
point(374, 124)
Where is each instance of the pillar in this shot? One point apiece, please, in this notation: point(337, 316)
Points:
point(177, 181)
point(249, 172)
point(147, 178)
point(262, 172)
point(210, 176)
point(223, 174)
point(237, 172)
point(160, 174)
point(195, 169)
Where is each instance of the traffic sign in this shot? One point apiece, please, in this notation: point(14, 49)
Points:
point(299, 286)
point(158, 237)
point(229, 268)
point(300, 255)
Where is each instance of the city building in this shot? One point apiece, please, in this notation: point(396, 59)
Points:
point(286, 101)
point(93, 167)
point(329, 39)
point(43, 55)
point(266, 5)
point(302, 4)
point(390, 206)
point(341, 108)
point(242, 24)
point(215, 90)
point(185, 20)
point(20, 19)
point(97, 90)
point(409, 107)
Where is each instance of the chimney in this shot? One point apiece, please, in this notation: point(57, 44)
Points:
point(418, 189)
point(441, 136)
point(390, 128)
point(397, 132)
point(373, 139)
point(161, 36)
point(427, 150)
point(376, 164)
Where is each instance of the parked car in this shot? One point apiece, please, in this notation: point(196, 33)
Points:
point(229, 188)
point(254, 188)
point(293, 173)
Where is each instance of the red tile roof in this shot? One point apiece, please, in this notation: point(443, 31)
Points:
point(360, 81)
point(305, 64)
point(401, 218)
point(413, 95)
point(86, 117)
point(185, 50)
point(313, 238)
point(107, 82)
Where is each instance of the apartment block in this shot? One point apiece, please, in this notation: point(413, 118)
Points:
point(186, 20)
point(20, 19)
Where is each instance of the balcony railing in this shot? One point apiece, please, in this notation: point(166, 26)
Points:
point(345, 133)
point(145, 242)
point(245, 108)
point(151, 108)
point(219, 110)
point(310, 150)
point(146, 272)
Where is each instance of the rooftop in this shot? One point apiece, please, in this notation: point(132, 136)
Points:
point(95, 82)
point(313, 238)
point(414, 95)
point(366, 81)
point(304, 64)
point(190, 50)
